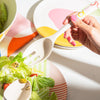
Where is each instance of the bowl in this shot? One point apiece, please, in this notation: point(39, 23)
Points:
point(12, 9)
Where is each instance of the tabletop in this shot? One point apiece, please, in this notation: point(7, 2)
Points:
point(80, 67)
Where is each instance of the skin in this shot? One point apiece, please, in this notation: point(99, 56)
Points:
point(86, 31)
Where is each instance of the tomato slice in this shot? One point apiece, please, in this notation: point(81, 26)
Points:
point(5, 85)
point(33, 75)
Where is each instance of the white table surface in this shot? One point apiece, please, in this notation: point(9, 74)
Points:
point(80, 67)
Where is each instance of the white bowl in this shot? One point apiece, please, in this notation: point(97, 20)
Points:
point(12, 9)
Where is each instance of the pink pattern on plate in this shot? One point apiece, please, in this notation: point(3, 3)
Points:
point(58, 15)
point(60, 87)
point(20, 24)
point(60, 90)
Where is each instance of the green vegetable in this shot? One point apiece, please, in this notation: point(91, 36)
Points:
point(1, 92)
point(43, 94)
point(9, 73)
point(30, 79)
point(35, 96)
point(4, 61)
point(45, 82)
point(8, 79)
point(4, 58)
point(3, 16)
point(19, 58)
point(42, 82)
point(35, 86)
point(41, 87)
point(53, 96)
point(2, 64)
point(1, 97)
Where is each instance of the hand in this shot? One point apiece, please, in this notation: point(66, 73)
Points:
point(86, 31)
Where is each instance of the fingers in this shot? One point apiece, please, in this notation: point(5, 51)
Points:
point(68, 18)
point(69, 37)
point(75, 33)
point(90, 20)
point(83, 26)
point(68, 34)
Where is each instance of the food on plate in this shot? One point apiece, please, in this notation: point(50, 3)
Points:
point(9, 72)
point(3, 16)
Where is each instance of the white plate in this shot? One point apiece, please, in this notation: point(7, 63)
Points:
point(49, 15)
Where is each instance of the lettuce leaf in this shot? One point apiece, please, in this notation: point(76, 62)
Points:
point(41, 86)
point(43, 94)
point(35, 86)
point(8, 73)
point(1, 90)
point(4, 58)
point(3, 16)
point(43, 82)
point(1, 97)
point(19, 58)
point(30, 79)
point(35, 96)
point(53, 96)
point(4, 61)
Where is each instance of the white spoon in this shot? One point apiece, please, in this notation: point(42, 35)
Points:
point(18, 91)
point(42, 48)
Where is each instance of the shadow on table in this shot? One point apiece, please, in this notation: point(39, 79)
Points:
point(31, 11)
point(83, 94)
point(90, 71)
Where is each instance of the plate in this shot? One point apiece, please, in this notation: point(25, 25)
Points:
point(50, 70)
point(50, 14)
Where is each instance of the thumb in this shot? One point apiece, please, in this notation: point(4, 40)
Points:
point(79, 23)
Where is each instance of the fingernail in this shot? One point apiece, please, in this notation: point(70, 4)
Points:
point(69, 39)
point(64, 22)
point(73, 18)
point(73, 43)
point(64, 35)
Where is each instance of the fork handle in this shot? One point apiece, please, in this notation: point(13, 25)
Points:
point(58, 33)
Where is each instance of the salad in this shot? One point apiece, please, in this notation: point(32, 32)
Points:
point(13, 68)
point(3, 16)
